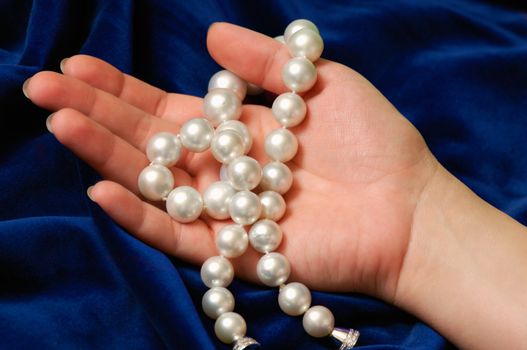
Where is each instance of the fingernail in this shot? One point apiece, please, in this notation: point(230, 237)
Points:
point(210, 25)
point(48, 122)
point(62, 63)
point(24, 87)
point(88, 192)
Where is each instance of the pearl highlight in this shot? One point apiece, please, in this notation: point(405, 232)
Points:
point(297, 25)
point(265, 236)
point(217, 271)
point(217, 301)
point(226, 146)
point(245, 208)
point(273, 205)
point(184, 204)
point(281, 145)
point(318, 321)
point(232, 241)
point(240, 128)
point(276, 176)
point(289, 109)
point(244, 173)
point(299, 74)
point(164, 148)
point(230, 327)
point(196, 134)
point(230, 81)
point(216, 199)
point(306, 43)
point(273, 269)
point(294, 299)
point(220, 105)
point(155, 182)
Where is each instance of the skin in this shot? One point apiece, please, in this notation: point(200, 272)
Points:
point(388, 219)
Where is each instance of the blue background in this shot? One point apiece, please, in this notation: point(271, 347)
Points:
point(70, 278)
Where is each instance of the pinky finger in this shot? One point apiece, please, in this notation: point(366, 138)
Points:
point(190, 242)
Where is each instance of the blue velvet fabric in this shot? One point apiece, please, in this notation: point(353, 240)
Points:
point(70, 278)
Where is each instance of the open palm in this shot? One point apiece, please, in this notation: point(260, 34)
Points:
point(358, 174)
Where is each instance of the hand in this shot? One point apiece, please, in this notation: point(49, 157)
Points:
point(371, 210)
point(360, 169)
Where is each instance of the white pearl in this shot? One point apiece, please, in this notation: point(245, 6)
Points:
point(253, 89)
point(220, 105)
point(273, 269)
point(184, 204)
point(196, 134)
point(232, 241)
point(245, 207)
point(273, 205)
point(217, 271)
point(297, 25)
point(265, 236)
point(276, 177)
point(241, 129)
point(306, 43)
point(289, 109)
point(155, 182)
point(217, 301)
point(299, 74)
point(224, 176)
point(216, 199)
point(280, 39)
point(281, 145)
point(244, 173)
point(230, 327)
point(163, 148)
point(318, 321)
point(228, 80)
point(227, 145)
point(294, 299)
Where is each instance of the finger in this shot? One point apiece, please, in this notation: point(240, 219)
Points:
point(259, 59)
point(192, 242)
point(55, 91)
point(253, 56)
point(146, 97)
point(111, 156)
point(104, 76)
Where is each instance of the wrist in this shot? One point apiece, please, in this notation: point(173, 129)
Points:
point(457, 273)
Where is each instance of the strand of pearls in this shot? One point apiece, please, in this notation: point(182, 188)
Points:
point(233, 197)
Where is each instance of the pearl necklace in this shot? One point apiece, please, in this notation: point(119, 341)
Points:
point(232, 196)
